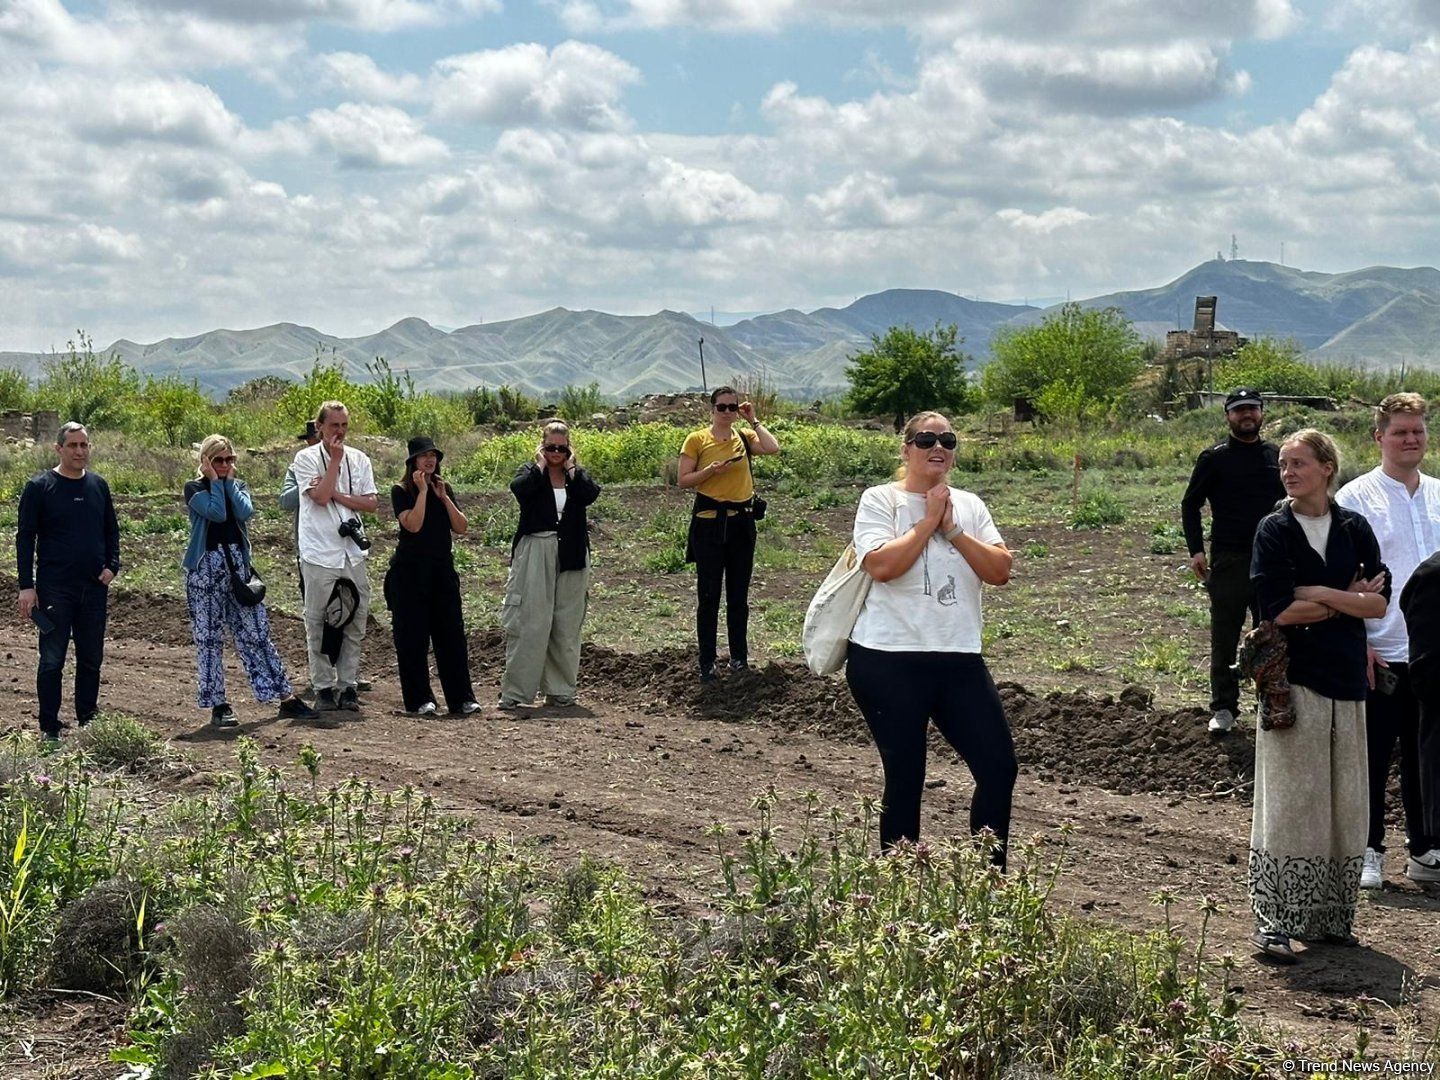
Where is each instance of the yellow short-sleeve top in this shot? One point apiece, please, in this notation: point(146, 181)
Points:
point(732, 485)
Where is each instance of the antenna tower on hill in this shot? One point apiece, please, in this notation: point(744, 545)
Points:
point(1234, 248)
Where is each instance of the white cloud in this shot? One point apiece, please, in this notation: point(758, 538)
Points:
point(364, 14)
point(574, 85)
point(1045, 222)
point(359, 76)
point(374, 136)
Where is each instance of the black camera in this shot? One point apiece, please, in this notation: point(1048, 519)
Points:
point(354, 528)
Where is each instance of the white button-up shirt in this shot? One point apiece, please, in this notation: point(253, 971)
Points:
point(1408, 528)
point(319, 536)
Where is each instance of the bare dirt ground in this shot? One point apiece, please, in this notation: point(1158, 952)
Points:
point(637, 773)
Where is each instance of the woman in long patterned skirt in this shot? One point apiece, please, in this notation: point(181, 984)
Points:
point(1318, 576)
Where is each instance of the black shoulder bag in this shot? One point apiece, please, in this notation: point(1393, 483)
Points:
point(247, 585)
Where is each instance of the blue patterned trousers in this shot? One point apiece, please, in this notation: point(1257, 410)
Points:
point(213, 609)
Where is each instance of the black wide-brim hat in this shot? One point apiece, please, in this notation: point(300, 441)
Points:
point(309, 432)
point(423, 444)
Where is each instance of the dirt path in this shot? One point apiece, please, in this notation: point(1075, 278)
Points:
point(638, 774)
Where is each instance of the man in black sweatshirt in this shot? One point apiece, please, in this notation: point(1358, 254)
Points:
point(1240, 478)
point(68, 526)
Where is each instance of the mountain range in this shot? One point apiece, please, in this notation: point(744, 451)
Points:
point(1379, 317)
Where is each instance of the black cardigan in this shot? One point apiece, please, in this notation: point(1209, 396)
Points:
point(534, 493)
point(1420, 604)
point(1329, 656)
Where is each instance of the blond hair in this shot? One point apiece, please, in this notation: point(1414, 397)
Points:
point(1396, 404)
point(211, 446)
point(555, 427)
point(327, 407)
point(1324, 449)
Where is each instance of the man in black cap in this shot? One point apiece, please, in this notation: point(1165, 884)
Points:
point(1240, 478)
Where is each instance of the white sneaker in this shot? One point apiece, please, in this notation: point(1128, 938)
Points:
point(1424, 868)
point(428, 709)
point(1372, 873)
point(1222, 722)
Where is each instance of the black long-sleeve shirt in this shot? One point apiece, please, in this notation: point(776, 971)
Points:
point(533, 491)
point(1242, 483)
point(70, 525)
point(1420, 604)
point(1327, 656)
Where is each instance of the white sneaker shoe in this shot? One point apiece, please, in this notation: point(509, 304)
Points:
point(1424, 868)
point(427, 709)
point(1222, 722)
point(1372, 873)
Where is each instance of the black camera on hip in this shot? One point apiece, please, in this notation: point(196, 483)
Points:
point(354, 528)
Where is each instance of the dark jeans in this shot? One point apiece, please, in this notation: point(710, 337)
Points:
point(424, 601)
point(899, 693)
point(1392, 718)
point(724, 554)
point(1232, 598)
point(78, 611)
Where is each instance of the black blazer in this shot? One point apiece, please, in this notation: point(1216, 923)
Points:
point(532, 490)
point(1328, 657)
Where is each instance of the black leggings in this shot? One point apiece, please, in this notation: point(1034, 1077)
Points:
point(899, 693)
point(724, 556)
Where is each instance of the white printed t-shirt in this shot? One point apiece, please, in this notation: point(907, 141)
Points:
point(318, 534)
point(1408, 530)
point(935, 605)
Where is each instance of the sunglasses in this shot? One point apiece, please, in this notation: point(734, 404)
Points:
point(924, 440)
point(557, 449)
point(731, 407)
point(228, 460)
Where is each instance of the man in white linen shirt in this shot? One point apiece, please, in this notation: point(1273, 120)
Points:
point(337, 484)
point(1402, 505)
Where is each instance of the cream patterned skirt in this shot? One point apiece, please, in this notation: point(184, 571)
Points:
point(1307, 840)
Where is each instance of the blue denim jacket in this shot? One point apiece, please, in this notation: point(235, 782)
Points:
point(207, 504)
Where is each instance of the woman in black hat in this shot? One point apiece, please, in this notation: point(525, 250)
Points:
point(422, 589)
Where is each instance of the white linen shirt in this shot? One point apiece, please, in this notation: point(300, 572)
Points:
point(1408, 529)
point(935, 605)
point(318, 536)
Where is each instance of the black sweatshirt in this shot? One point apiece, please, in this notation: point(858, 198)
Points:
point(1242, 482)
point(71, 525)
point(533, 491)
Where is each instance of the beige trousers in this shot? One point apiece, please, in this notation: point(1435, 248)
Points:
point(319, 580)
point(543, 613)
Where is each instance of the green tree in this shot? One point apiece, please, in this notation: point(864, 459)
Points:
point(325, 382)
point(906, 371)
point(1272, 366)
point(1073, 365)
point(175, 409)
point(14, 389)
point(386, 394)
point(82, 387)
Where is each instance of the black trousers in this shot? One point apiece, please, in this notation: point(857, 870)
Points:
point(1390, 719)
point(78, 610)
point(899, 693)
point(424, 602)
point(724, 554)
point(1429, 756)
point(1232, 598)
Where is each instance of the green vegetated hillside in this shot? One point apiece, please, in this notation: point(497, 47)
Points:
point(1377, 317)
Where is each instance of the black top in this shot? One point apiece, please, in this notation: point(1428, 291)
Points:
point(532, 490)
point(1242, 482)
point(1420, 604)
point(70, 525)
point(216, 532)
point(1328, 656)
point(433, 540)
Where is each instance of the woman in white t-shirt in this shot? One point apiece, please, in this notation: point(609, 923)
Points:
point(914, 655)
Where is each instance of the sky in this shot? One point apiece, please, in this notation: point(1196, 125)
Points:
point(177, 166)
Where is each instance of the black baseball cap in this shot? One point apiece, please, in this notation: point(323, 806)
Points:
point(1243, 395)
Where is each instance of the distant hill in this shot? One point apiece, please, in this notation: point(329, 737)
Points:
point(1381, 316)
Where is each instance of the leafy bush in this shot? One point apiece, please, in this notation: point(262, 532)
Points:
point(1097, 508)
point(118, 741)
point(83, 387)
point(1074, 365)
point(578, 403)
point(1273, 367)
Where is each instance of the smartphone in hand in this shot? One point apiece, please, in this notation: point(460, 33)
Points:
point(42, 620)
point(1386, 681)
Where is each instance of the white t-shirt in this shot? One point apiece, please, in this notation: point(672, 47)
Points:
point(1408, 530)
point(318, 531)
point(1317, 531)
point(935, 605)
point(562, 496)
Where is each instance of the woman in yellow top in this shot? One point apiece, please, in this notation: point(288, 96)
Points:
point(715, 461)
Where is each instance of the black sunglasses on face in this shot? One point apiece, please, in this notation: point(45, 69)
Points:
point(730, 407)
point(924, 440)
point(223, 460)
point(557, 449)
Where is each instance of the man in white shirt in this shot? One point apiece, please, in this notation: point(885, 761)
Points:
point(1402, 505)
point(337, 485)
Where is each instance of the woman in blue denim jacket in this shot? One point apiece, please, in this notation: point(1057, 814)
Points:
point(220, 506)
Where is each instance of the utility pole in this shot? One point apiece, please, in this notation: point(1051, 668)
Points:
point(705, 386)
